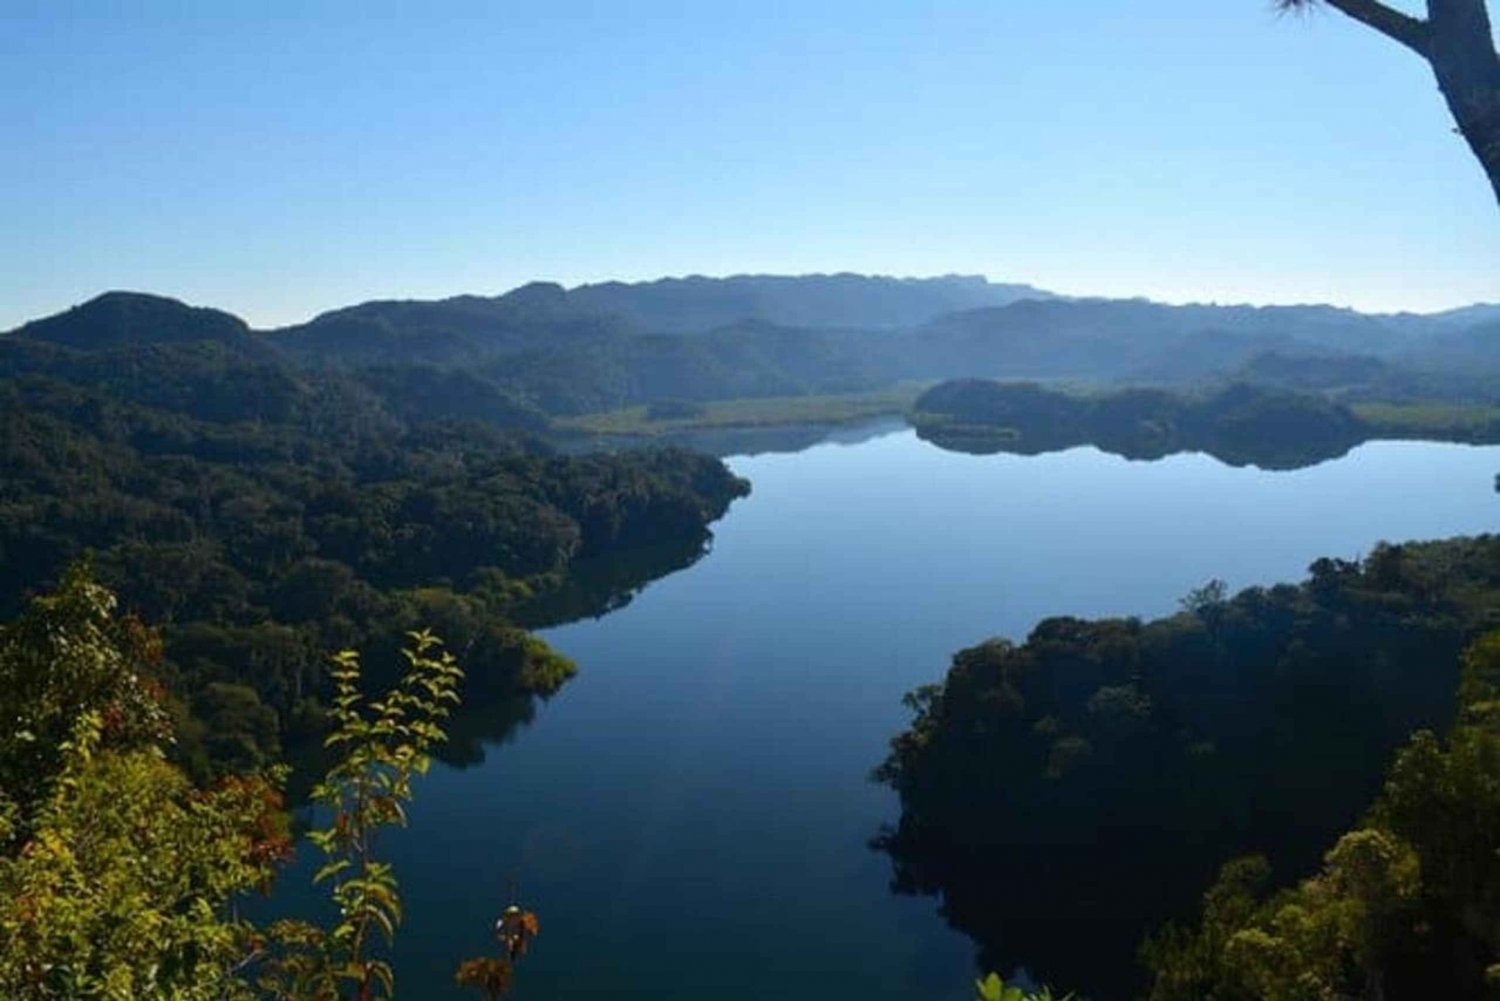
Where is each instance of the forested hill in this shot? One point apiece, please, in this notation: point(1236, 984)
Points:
point(126, 319)
point(600, 347)
point(694, 304)
point(545, 349)
point(1130, 759)
point(266, 514)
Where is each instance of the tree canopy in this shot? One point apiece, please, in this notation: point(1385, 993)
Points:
point(120, 877)
point(1407, 904)
point(261, 514)
point(1127, 760)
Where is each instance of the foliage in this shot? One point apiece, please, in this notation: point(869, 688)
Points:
point(263, 514)
point(124, 887)
point(368, 787)
point(380, 746)
point(1127, 760)
point(117, 875)
point(992, 988)
point(492, 976)
point(1407, 904)
point(119, 878)
point(67, 656)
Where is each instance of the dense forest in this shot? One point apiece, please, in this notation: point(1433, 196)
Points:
point(122, 878)
point(267, 497)
point(602, 347)
point(1128, 760)
point(256, 581)
point(542, 349)
point(1405, 905)
point(265, 515)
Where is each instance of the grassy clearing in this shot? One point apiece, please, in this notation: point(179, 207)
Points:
point(1463, 421)
point(771, 411)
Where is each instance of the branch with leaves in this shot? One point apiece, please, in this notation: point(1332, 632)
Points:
point(382, 745)
point(992, 988)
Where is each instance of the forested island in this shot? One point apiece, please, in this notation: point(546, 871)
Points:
point(1240, 424)
point(1129, 760)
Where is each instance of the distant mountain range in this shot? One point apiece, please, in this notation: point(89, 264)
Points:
point(694, 304)
point(544, 349)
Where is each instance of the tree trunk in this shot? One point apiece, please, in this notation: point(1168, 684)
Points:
point(1461, 49)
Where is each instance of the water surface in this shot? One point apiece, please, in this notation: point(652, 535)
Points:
point(690, 816)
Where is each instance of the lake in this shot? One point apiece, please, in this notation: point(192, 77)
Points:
point(690, 816)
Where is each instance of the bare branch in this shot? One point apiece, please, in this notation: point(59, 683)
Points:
point(1466, 24)
point(1410, 31)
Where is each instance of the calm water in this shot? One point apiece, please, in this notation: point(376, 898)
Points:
point(689, 817)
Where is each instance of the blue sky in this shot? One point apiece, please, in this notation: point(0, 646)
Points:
point(276, 160)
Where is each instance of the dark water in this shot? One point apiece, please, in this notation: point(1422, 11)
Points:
point(689, 817)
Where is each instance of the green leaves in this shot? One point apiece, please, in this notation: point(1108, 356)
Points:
point(65, 657)
point(992, 988)
point(116, 874)
point(1404, 905)
point(118, 877)
point(124, 886)
point(382, 745)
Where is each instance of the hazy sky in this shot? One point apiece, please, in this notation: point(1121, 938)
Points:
point(276, 164)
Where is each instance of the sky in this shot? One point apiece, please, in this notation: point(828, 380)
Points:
point(276, 160)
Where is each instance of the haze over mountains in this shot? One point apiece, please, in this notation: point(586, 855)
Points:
point(543, 349)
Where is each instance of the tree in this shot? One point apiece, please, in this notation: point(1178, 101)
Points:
point(68, 656)
point(1406, 905)
point(125, 888)
point(119, 877)
point(1456, 40)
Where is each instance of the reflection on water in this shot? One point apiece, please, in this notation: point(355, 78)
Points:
point(749, 441)
point(1260, 452)
point(477, 727)
point(592, 589)
point(690, 815)
point(606, 584)
point(491, 712)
